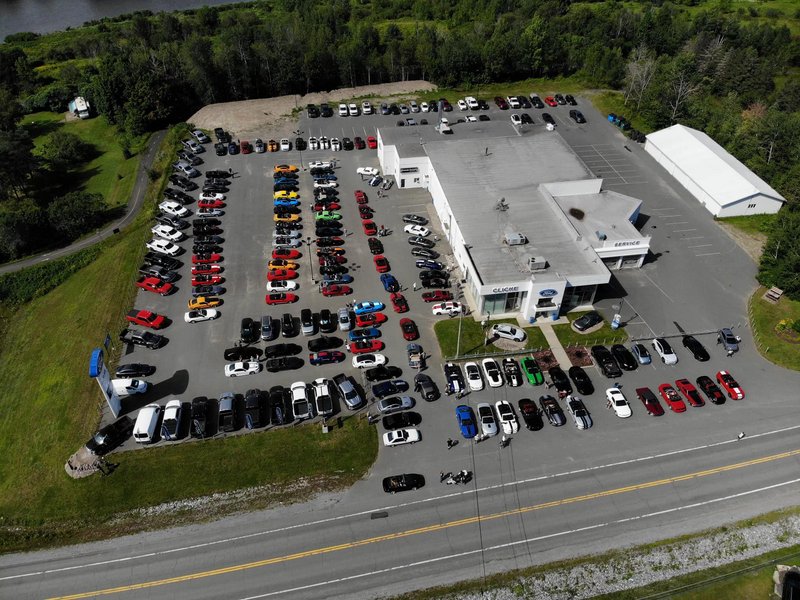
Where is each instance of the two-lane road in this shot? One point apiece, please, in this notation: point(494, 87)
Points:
point(511, 515)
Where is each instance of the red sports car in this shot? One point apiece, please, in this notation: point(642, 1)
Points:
point(690, 392)
point(362, 346)
point(146, 318)
point(318, 206)
point(336, 290)
point(206, 270)
point(550, 101)
point(672, 398)
point(331, 259)
point(399, 302)
point(437, 296)
point(285, 253)
point(155, 285)
point(206, 280)
point(365, 212)
point(369, 227)
point(281, 274)
point(372, 143)
point(650, 401)
point(730, 385)
point(361, 197)
point(326, 357)
point(409, 328)
point(370, 319)
point(280, 298)
point(210, 204)
point(204, 259)
point(381, 264)
point(246, 147)
point(359, 143)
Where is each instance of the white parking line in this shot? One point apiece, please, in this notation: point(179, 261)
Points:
point(709, 254)
point(679, 230)
point(677, 223)
point(701, 246)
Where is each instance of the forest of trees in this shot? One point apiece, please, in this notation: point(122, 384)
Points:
point(704, 68)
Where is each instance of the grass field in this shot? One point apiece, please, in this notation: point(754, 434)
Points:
point(109, 173)
point(755, 225)
point(764, 317)
point(472, 337)
point(569, 337)
point(49, 407)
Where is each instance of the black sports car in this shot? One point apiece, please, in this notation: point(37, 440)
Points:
point(278, 350)
point(110, 436)
point(403, 483)
point(135, 370)
point(560, 380)
point(531, 414)
point(283, 363)
point(553, 411)
point(581, 380)
point(624, 357)
point(324, 343)
point(606, 361)
point(383, 372)
point(425, 386)
point(696, 348)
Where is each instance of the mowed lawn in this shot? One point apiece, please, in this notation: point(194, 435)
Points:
point(49, 408)
point(109, 173)
point(472, 337)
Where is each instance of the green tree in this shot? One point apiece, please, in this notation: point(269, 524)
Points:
point(20, 229)
point(76, 213)
point(62, 149)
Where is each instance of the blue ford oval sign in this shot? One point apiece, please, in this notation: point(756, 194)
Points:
point(548, 293)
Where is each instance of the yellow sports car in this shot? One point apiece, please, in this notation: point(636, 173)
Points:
point(204, 302)
point(272, 146)
point(284, 195)
point(285, 218)
point(286, 168)
point(280, 263)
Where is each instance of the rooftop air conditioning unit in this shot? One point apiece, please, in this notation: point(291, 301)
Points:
point(515, 239)
point(537, 263)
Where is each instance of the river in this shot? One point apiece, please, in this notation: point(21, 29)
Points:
point(44, 16)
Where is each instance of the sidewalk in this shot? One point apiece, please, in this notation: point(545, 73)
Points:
point(555, 345)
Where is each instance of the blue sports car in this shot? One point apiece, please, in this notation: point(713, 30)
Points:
point(286, 202)
point(466, 421)
point(337, 278)
point(389, 282)
point(364, 334)
point(368, 306)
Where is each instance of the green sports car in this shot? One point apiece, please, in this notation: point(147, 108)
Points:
point(327, 215)
point(532, 371)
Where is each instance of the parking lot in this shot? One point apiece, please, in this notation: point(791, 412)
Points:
point(655, 297)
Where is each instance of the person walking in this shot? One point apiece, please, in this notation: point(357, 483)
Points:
point(449, 443)
point(415, 286)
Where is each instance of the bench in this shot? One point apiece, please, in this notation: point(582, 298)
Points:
point(773, 294)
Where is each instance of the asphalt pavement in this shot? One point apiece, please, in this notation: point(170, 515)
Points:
point(552, 494)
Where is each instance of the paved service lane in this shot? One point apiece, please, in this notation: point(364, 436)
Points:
point(358, 549)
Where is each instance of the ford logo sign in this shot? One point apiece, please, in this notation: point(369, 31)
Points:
point(548, 293)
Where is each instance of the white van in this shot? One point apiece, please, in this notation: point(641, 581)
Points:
point(127, 387)
point(144, 430)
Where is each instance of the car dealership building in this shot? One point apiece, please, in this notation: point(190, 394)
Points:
point(531, 228)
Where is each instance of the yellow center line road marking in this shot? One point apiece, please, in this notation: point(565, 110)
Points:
point(436, 527)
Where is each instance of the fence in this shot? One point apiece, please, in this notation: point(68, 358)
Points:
point(753, 330)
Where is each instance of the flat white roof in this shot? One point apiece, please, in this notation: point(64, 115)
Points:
point(709, 165)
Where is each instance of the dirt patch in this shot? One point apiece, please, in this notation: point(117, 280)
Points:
point(752, 243)
point(545, 360)
point(578, 356)
point(253, 118)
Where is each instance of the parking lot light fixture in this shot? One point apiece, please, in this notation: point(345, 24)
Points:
point(310, 264)
point(297, 134)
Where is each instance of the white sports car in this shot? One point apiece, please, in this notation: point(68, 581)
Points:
point(365, 361)
point(242, 368)
point(474, 377)
point(492, 371)
point(202, 314)
point(401, 437)
point(417, 230)
point(619, 403)
point(281, 286)
point(508, 419)
point(173, 208)
point(367, 171)
point(487, 420)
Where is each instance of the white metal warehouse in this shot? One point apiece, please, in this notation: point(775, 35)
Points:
point(725, 186)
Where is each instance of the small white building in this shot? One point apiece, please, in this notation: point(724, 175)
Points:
point(725, 186)
point(80, 107)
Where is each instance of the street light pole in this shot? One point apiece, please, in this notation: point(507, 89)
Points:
point(310, 264)
point(459, 296)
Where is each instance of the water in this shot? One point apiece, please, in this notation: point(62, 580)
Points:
point(44, 16)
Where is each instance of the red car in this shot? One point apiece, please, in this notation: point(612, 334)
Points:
point(365, 212)
point(206, 270)
point(672, 398)
point(336, 290)
point(690, 392)
point(381, 264)
point(362, 346)
point(210, 204)
point(437, 296)
point(285, 253)
point(501, 102)
point(204, 259)
point(369, 227)
point(409, 329)
point(280, 298)
point(372, 143)
point(318, 206)
point(146, 318)
point(206, 280)
point(359, 143)
point(155, 285)
point(399, 303)
point(650, 401)
point(326, 357)
point(550, 101)
point(370, 319)
point(281, 274)
point(361, 197)
point(730, 385)
point(246, 147)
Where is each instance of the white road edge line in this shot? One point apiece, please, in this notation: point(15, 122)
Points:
point(396, 506)
point(524, 541)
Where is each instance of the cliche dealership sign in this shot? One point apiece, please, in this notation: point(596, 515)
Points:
point(548, 293)
point(507, 288)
